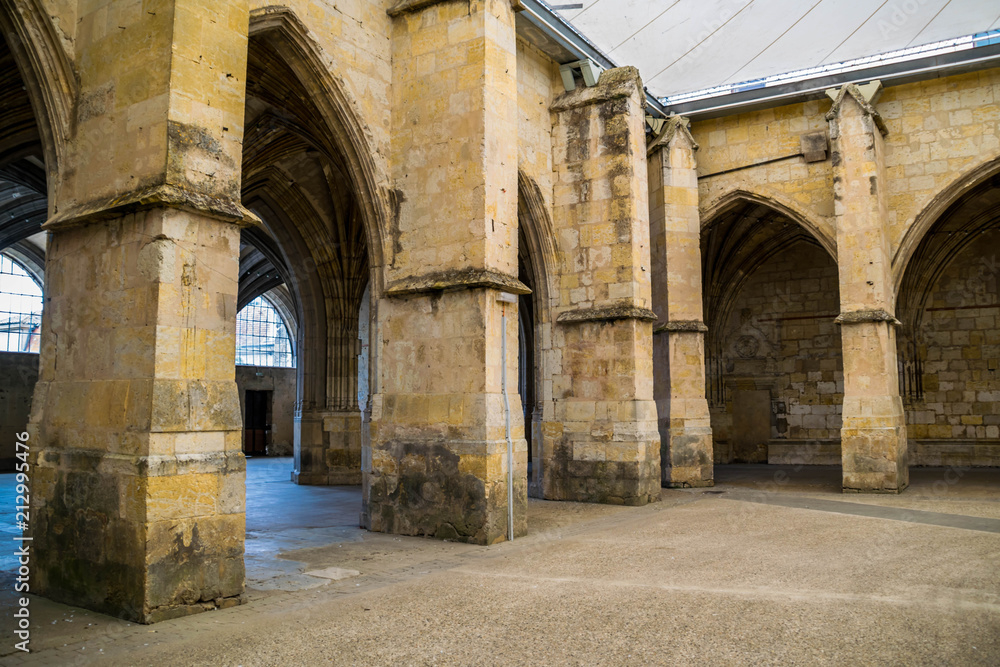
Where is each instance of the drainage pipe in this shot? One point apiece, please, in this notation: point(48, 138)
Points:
point(505, 298)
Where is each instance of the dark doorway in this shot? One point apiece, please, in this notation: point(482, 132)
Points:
point(257, 423)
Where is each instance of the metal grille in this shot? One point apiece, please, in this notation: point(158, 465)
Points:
point(261, 336)
point(20, 308)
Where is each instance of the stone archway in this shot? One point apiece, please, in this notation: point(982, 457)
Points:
point(309, 176)
point(535, 257)
point(949, 340)
point(773, 350)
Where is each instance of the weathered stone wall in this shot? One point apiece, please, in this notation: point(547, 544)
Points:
point(18, 375)
point(679, 334)
point(439, 452)
point(781, 337)
point(138, 478)
point(939, 130)
point(281, 383)
point(600, 431)
point(957, 421)
point(932, 137)
point(138, 497)
point(538, 83)
point(772, 137)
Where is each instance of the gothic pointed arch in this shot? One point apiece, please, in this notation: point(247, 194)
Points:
point(953, 194)
point(341, 128)
point(774, 201)
point(48, 76)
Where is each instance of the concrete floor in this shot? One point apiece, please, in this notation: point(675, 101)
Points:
point(772, 566)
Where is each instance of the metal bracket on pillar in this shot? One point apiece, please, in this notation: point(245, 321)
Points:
point(588, 69)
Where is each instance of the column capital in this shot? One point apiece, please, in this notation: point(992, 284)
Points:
point(458, 279)
point(611, 313)
point(222, 208)
point(862, 316)
point(865, 95)
point(676, 326)
point(676, 129)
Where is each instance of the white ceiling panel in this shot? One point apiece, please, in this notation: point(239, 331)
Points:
point(686, 45)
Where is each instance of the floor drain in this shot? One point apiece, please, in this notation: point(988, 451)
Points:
point(714, 492)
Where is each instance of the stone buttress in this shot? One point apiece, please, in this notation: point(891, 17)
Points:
point(138, 496)
point(679, 334)
point(873, 437)
point(601, 442)
point(438, 447)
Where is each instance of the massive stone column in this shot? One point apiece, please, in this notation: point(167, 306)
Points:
point(138, 478)
point(600, 437)
point(679, 336)
point(873, 437)
point(439, 453)
point(328, 436)
point(328, 422)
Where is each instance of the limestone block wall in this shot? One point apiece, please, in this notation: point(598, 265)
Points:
point(759, 152)
point(959, 341)
point(18, 375)
point(438, 439)
point(281, 383)
point(781, 337)
point(939, 130)
point(933, 137)
point(138, 497)
point(455, 111)
point(439, 463)
point(538, 83)
point(600, 430)
point(143, 95)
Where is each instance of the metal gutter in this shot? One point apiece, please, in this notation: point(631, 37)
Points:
point(947, 64)
point(571, 42)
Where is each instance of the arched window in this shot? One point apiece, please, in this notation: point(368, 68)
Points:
point(261, 336)
point(20, 308)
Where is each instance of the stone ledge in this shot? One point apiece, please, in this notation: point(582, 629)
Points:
point(617, 83)
point(609, 313)
point(409, 6)
point(158, 196)
point(681, 325)
point(862, 316)
point(455, 280)
point(155, 465)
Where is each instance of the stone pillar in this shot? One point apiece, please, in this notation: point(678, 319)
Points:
point(600, 438)
point(439, 451)
point(138, 476)
point(328, 438)
point(679, 336)
point(873, 437)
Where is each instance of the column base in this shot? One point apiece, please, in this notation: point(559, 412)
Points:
point(118, 534)
point(453, 490)
point(874, 458)
point(617, 463)
point(687, 457)
point(328, 448)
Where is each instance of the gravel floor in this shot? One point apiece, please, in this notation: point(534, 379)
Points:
point(745, 576)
